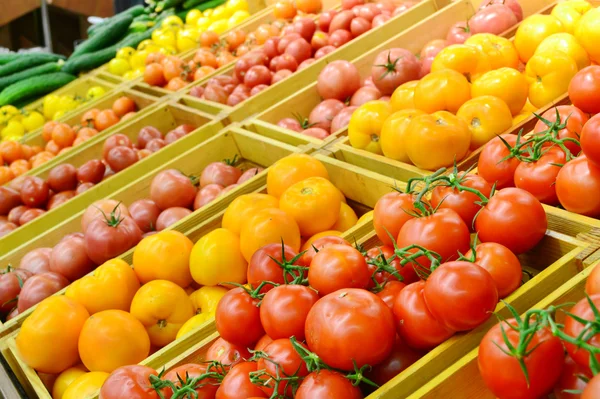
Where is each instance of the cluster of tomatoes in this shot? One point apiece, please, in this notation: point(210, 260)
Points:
point(538, 356)
point(16, 159)
point(558, 162)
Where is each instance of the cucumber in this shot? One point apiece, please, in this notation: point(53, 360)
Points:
point(26, 61)
point(189, 4)
point(166, 4)
point(34, 86)
point(137, 27)
point(35, 71)
point(109, 34)
point(89, 61)
point(202, 7)
point(5, 58)
point(134, 11)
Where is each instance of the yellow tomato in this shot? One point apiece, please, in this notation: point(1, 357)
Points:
point(130, 75)
point(569, 13)
point(7, 112)
point(65, 379)
point(219, 26)
point(307, 244)
point(194, 323)
point(566, 43)
point(164, 256)
point(50, 106)
point(500, 51)
point(487, 117)
point(314, 203)
point(245, 205)
point(346, 219)
point(292, 169)
point(192, 17)
point(365, 217)
point(33, 120)
point(237, 5)
point(437, 140)
point(207, 13)
point(549, 75)
point(529, 108)
point(111, 339)
point(587, 33)
point(67, 103)
point(47, 340)
point(404, 96)
point(172, 21)
point(58, 114)
point(186, 40)
point(507, 84)
point(118, 66)
point(444, 90)
point(203, 23)
point(221, 12)
point(532, 31)
point(111, 286)
point(13, 129)
point(268, 226)
point(167, 38)
point(206, 299)
point(392, 134)
point(125, 53)
point(162, 307)
point(167, 50)
point(467, 60)
point(237, 18)
point(86, 385)
point(95, 92)
point(365, 125)
point(216, 258)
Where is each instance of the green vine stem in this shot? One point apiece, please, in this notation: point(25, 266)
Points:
point(292, 273)
point(215, 372)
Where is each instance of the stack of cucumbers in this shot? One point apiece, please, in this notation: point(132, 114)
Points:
point(28, 76)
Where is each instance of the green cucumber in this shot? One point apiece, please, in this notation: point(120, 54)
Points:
point(27, 61)
point(89, 61)
point(202, 7)
point(189, 4)
point(110, 34)
point(134, 12)
point(166, 4)
point(35, 71)
point(5, 58)
point(34, 86)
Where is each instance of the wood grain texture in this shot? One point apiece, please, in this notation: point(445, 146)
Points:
point(13, 9)
point(98, 8)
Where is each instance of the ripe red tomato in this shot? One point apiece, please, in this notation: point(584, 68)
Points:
point(116, 140)
point(338, 80)
point(145, 213)
point(323, 114)
point(147, 134)
point(129, 382)
point(327, 384)
point(544, 362)
point(584, 89)
point(463, 203)
point(539, 177)
point(91, 172)
point(236, 383)
point(592, 284)
point(10, 287)
point(590, 140)
point(376, 253)
point(207, 194)
point(219, 173)
point(172, 188)
point(227, 353)
point(390, 213)
point(265, 265)
point(336, 267)
point(107, 239)
point(501, 263)
point(573, 328)
point(284, 309)
point(350, 324)
point(318, 245)
point(394, 67)
point(592, 389)
point(282, 360)
point(62, 178)
point(34, 191)
point(39, 287)
point(574, 118)
point(390, 292)
point(120, 158)
point(570, 381)
point(205, 388)
point(238, 318)
point(490, 165)
point(414, 322)
point(576, 184)
point(69, 258)
point(300, 49)
point(513, 218)
point(400, 359)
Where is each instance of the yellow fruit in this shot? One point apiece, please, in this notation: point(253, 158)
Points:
point(168, 50)
point(203, 23)
point(138, 60)
point(237, 18)
point(219, 26)
point(34, 120)
point(57, 115)
point(193, 323)
point(172, 21)
point(186, 40)
point(237, 5)
point(7, 113)
point(67, 103)
point(50, 106)
point(144, 44)
point(118, 66)
point(14, 129)
point(95, 92)
point(125, 53)
point(192, 17)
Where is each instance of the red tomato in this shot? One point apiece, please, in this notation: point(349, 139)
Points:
point(153, 145)
point(339, 37)
point(390, 292)
point(236, 383)
point(145, 213)
point(9, 199)
point(364, 95)
point(249, 174)
point(573, 117)
point(116, 140)
point(458, 34)
point(576, 184)
point(400, 359)
point(342, 119)
point(100, 208)
point(109, 238)
point(226, 353)
point(463, 203)
point(544, 362)
point(131, 382)
point(592, 284)
point(327, 384)
point(539, 177)
point(270, 263)
point(393, 68)
point(318, 245)
point(501, 263)
point(573, 328)
point(300, 49)
point(584, 89)
point(375, 254)
point(29, 215)
point(590, 140)
point(305, 27)
point(70, 259)
point(34, 191)
point(414, 322)
point(490, 165)
point(282, 360)
point(325, 19)
point(170, 216)
point(592, 389)
point(390, 213)
point(10, 287)
point(350, 324)
point(284, 309)
point(359, 26)
point(322, 115)
point(62, 178)
point(147, 134)
point(570, 381)
point(171, 188)
point(36, 261)
point(15, 214)
point(238, 318)
point(207, 194)
point(336, 267)
point(513, 218)
point(120, 158)
point(39, 287)
point(204, 388)
point(91, 172)
point(220, 173)
point(338, 80)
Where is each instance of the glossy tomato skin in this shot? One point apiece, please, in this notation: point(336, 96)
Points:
point(574, 118)
point(390, 214)
point(573, 328)
point(227, 353)
point(592, 389)
point(237, 383)
point(171, 188)
point(544, 364)
point(463, 203)
point(284, 309)
point(490, 167)
point(350, 324)
point(206, 388)
point(374, 254)
point(432, 232)
point(220, 173)
point(539, 177)
point(319, 244)
point(575, 184)
point(238, 318)
point(400, 359)
point(390, 292)
point(583, 89)
point(39, 287)
point(393, 68)
point(132, 382)
point(104, 242)
point(69, 258)
point(336, 267)
point(10, 287)
point(282, 360)
point(414, 321)
point(570, 381)
point(34, 191)
point(263, 265)
point(501, 263)
point(327, 384)
point(590, 140)
point(513, 218)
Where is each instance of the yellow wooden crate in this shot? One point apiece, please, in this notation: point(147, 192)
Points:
point(462, 380)
point(300, 79)
point(164, 117)
point(362, 188)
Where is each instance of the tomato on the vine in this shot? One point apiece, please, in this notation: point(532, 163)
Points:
point(327, 384)
point(573, 328)
point(227, 353)
point(501, 263)
point(493, 167)
point(539, 177)
point(129, 382)
point(390, 213)
point(237, 384)
point(238, 318)
point(336, 267)
point(281, 361)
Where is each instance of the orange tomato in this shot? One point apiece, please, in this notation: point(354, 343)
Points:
point(19, 167)
point(392, 134)
point(41, 159)
point(111, 339)
point(437, 140)
point(123, 105)
point(105, 119)
point(48, 127)
point(47, 340)
point(52, 147)
point(88, 118)
point(568, 44)
point(346, 219)
point(268, 226)
point(164, 256)
point(243, 206)
point(63, 135)
point(27, 152)
point(467, 60)
point(507, 84)
point(314, 203)
point(487, 117)
point(444, 90)
point(309, 6)
point(162, 307)
point(11, 151)
point(292, 169)
point(500, 51)
point(176, 84)
point(111, 286)
point(284, 9)
point(6, 175)
point(532, 31)
point(404, 96)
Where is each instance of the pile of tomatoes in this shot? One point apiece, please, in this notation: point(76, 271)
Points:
point(558, 162)
point(556, 357)
point(16, 159)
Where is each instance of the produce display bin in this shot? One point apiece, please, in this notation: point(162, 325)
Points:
point(300, 79)
point(164, 117)
point(362, 189)
point(463, 380)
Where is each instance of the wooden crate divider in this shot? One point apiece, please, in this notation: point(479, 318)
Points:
point(164, 117)
point(463, 380)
